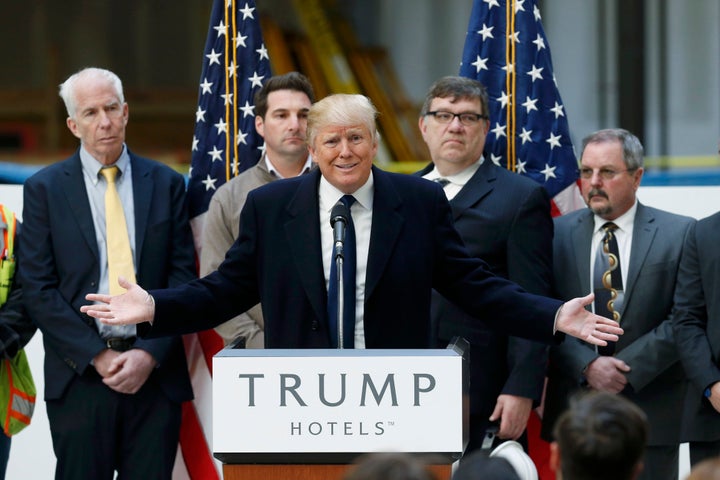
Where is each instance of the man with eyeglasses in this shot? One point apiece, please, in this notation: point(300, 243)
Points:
point(504, 219)
point(639, 279)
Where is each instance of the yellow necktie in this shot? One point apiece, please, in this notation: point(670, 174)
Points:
point(119, 254)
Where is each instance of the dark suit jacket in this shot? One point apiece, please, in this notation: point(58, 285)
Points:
point(413, 248)
point(504, 219)
point(697, 326)
point(656, 382)
point(60, 265)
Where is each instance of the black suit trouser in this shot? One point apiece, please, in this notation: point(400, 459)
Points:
point(97, 431)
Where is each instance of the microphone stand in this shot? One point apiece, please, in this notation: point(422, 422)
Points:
point(341, 299)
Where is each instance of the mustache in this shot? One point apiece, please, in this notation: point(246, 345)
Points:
point(596, 192)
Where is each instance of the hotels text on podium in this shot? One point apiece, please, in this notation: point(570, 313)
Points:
point(328, 406)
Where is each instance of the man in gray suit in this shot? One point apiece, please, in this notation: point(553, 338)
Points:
point(643, 366)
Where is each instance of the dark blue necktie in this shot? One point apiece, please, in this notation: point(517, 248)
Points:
point(349, 266)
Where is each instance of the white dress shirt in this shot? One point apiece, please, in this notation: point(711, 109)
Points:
point(361, 212)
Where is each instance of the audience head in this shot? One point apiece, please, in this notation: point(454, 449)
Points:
point(600, 436)
point(477, 465)
point(281, 109)
point(454, 123)
point(97, 112)
point(611, 167)
point(389, 466)
point(343, 139)
point(708, 469)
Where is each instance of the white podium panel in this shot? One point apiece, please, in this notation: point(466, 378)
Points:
point(328, 406)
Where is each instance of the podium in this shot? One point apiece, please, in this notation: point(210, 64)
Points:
point(308, 414)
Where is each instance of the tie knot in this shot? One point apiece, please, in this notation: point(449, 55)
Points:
point(609, 227)
point(110, 173)
point(442, 181)
point(348, 200)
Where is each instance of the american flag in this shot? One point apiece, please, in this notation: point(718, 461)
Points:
point(507, 51)
point(235, 65)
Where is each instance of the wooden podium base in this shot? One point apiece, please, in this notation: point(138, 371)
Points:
point(305, 472)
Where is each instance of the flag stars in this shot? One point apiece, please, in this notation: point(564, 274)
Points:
point(548, 171)
point(529, 104)
point(480, 64)
point(520, 166)
point(215, 154)
point(195, 144)
point(240, 41)
point(499, 130)
point(508, 68)
point(535, 73)
point(248, 110)
point(221, 29)
point(515, 37)
point(247, 11)
point(536, 12)
point(540, 42)
point(227, 98)
point(525, 136)
point(206, 87)
point(241, 137)
point(221, 126)
point(232, 69)
point(200, 115)
point(209, 183)
point(486, 32)
point(558, 110)
point(495, 159)
point(504, 99)
point(519, 6)
point(554, 140)
point(262, 51)
point(492, 3)
point(213, 57)
point(256, 80)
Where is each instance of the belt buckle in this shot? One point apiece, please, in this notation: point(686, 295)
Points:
point(120, 344)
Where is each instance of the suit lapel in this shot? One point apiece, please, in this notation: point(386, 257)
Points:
point(644, 231)
point(387, 222)
point(479, 186)
point(79, 206)
point(302, 232)
point(142, 195)
point(581, 244)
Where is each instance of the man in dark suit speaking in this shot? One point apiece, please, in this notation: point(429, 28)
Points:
point(406, 246)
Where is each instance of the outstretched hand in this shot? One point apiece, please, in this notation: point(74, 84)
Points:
point(575, 320)
point(132, 307)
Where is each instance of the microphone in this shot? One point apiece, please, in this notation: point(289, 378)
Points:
point(338, 221)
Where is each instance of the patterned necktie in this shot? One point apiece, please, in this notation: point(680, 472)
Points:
point(607, 281)
point(119, 254)
point(349, 296)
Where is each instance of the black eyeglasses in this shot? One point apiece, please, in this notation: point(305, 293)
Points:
point(605, 173)
point(468, 119)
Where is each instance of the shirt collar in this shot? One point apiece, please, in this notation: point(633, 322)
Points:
point(460, 178)
point(624, 221)
point(329, 195)
point(271, 168)
point(93, 167)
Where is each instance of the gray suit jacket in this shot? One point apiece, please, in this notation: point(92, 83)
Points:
point(656, 382)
